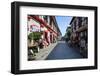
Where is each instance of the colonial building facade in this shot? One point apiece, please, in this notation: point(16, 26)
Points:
point(80, 25)
point(47, 25)
point(79, 28)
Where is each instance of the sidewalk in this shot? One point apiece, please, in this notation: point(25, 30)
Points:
point(43, 53)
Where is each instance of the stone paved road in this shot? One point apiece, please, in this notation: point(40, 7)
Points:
point(63, 51)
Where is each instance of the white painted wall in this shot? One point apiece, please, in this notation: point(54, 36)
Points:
point(5, 41)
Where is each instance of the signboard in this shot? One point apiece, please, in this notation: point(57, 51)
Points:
point(33, 26)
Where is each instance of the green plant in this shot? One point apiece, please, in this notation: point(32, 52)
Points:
point(34, 36)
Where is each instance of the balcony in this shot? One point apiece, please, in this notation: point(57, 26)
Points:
point(83, 28)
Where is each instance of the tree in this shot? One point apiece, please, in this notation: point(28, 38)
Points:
point(68, 33)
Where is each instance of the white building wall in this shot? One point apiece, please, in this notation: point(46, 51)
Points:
point(33, 26)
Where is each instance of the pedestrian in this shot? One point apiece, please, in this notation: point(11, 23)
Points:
point(82, 45)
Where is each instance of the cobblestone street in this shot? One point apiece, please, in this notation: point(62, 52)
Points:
point(63, 51)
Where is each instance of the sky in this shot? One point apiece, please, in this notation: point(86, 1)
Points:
point(63, 23)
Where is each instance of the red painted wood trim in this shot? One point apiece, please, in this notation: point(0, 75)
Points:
point(42, 22)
